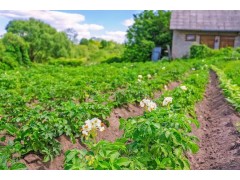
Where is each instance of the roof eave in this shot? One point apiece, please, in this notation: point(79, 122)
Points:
point(213, 30)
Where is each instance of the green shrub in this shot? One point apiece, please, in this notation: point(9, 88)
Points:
point(238, 49)
point(228, 53)
point(10, 61)
point(139, 52)
point(16, 49)
point(113, 60)
point(64, 62)
point(4, 66)
point(200, 51)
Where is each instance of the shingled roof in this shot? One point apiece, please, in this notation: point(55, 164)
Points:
point(205, 20)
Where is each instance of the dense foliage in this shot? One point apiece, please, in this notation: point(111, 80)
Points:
point(44, 41)
point(13, 52)
point(203, 51)
point(35, 41)
point(150, 29)
point(200, 51)
point(228, 73)
point(156, 140)
point(43, 102)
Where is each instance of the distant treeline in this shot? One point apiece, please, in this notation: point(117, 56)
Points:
point(32, 40)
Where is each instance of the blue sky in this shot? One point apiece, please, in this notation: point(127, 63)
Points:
point(106, 24)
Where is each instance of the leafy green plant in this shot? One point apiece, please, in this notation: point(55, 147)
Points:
point(231, 91)
point(157, 140)
point(200, 51)
point(9, 158)
point(102, 155)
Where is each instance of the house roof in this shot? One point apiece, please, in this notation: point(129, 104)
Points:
point(205, 20)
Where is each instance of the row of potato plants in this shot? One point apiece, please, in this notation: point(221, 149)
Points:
point(230, 88)
point(157, 140)
point(39, 104)
point(231, 70)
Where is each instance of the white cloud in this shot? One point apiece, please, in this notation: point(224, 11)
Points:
point(59, 20)
point(2, 32)
point(118, 36)
point(128, 22)
point(84, 34)
point(62, 21)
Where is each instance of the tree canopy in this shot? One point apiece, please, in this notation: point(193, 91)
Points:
point(150, 28)
point(13, 51)
point(36, 41)
point(43, 39)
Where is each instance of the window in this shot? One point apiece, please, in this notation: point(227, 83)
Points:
point(190, 37)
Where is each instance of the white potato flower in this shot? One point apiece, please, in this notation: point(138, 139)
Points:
point(165, 87)
point(85, 133)
point(87, 127)
point(193, 69)
point(142, 104)
point(163, 68)
point(140, 76)
point(167, 100)
point(148, 104)
point(139, 80)
point(149, 76)
point(152, 106)
point(90, 125)
point(96, 122)
point(183, 88)
point(88, 122)
point(101, 128)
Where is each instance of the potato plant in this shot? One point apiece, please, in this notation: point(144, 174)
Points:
point(229, 85)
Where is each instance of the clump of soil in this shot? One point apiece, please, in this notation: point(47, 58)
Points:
point(111, 133)
point(219, 140)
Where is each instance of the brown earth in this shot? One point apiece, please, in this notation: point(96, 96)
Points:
point(34, 162)
point(219, 140)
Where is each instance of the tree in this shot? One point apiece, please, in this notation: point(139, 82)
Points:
point(139, 52)
point(104, 43)
point(72, 35)
point(41, 37)
point(62, 47)
point(150, 28)
point(84, 41)
point(15, 50)
point(2, 48)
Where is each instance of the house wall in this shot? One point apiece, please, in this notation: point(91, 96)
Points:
point(237, 41)
point(181, 47)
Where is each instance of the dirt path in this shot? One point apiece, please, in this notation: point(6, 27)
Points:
point(219, 140)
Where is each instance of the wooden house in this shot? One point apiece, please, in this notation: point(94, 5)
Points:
point(214, 28)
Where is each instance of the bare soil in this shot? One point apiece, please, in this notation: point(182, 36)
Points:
point(219, 140)
point(34, 162)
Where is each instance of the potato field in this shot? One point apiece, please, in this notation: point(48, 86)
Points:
point(135, 116)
